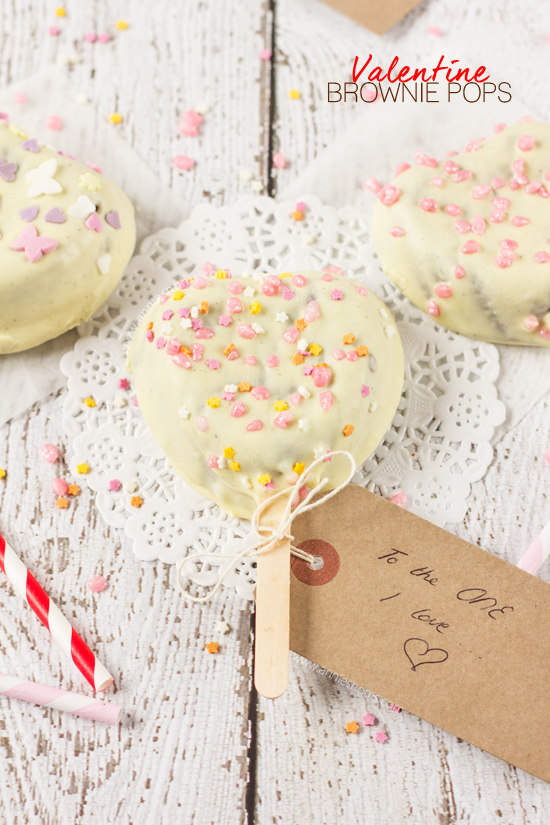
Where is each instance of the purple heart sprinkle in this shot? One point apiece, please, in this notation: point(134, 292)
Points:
point(113, 219)
point(8, 170)
point(31, 145)
point(55, 215)
point(29, 213)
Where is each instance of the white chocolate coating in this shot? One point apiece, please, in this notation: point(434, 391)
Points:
point(40, 300)
point(504, 294)
point(365, 391)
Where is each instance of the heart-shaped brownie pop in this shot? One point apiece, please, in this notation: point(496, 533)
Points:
point(245, 381)
point(468, 239)
point(61, 251)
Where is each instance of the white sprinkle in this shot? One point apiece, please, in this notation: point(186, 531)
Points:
point(184, 413)
point(246, 483)
point(372, 406)
point(119, 401)
point(303, 392)
point(245, 175)
point(307, 238)
point(167, 328)
point(319, 452)
point(259, 276)
point(222, 627)
point(383, 313)
point(389, 331)
point(81, 100)
point(63, 59)
point(302, 344)
point(202, 108)
point(249, 292)
point(194, 312)
point(245, 273)
point(257, 186)
point(303, 424)
point(231, 388)
point(222, 462)
point(258, 329)
point(281, 317)
point(130, 486)
point(185, 323)
point(104, 264)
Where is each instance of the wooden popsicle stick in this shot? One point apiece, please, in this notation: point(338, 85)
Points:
point(272, 611)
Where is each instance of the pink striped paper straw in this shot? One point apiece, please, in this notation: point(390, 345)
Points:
point(26, 586)
point(50, 697)
point(539, 551)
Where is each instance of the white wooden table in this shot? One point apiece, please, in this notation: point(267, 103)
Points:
point(196, 745)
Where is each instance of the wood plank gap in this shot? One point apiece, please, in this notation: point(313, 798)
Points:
point(252, 753)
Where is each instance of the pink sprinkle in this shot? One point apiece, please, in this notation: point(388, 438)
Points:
point(184, 312)
point(149, 335)
point(381, 737)
point(135, 402)
point(97, 584)
point(59, 486)
point(50, 453)
point(541, 257)
point(503, 262)
point(450, 167)
point(309, 369)
point(114, 485)
point(470, 247)
point(325, 400)
point(547, 456)
point(526, 142)
point(104, 38)
point(368, 719)
point(167, 314)
point(397, 231)
point(373, 184)
point(327, 277)
point(443, 291)
point(462, 175)
point(508, 253)
point(453, 209)
point(435, 31)
point(261, 393)
point(94, 166)
point(274, 280)
point(458, 272)
point(272, 361)
point(192, 116)
point(352, 355)
point(212, 461)
point(400, 499)
point(543, 192)
point(478, 225)
point(291, 335)
point(180, 359)
point(480, 192)
point(207, 269)
point(53, 31)
point(501, 203)
point(183, 162)
point(498, 183)
point(338, 354)
point(245, 331)
point(521, 180)
point(299, 281)
point(90, 37)
point(161, 343)
point(254, 426)
point(336, 294)
point(433, 308)
point(164, 298)
point(389, 194)
point(514, 184)
point(196, 324)
point(204, 332)
point(312, 312)
point(451, 153)
point(425, 160)
point(519, 165)
point(250, 361)
point(173, 346)
point(518, 220)
point(533, 187)
point(321, 375)
point(283, 420)
point(269, 289)
point(270, 485)
point(188, 129)
point(225, 320)
point(544, 332)
point(287, 294)
point(303, 491)
point(296, 399)
point(123, 383)
point(265, 54)
point(462, 226)
point(400, 168)
point(54, 123)
point(498, 127)
point(497, 215)
point(202, 423)
point(428, 205)
point(365, 390)
point(473, 145)
point(301, 206)
point(437, 181)
point(279, 160)
point(19, 98)
point(201, 283)
point(361, 290)
point(235, 287)
point(508, 244)
point(531, 323)
point(228, 396)
point(213, 364)
point(238, 409)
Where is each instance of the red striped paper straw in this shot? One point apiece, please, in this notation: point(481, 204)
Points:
point(26, 586)
point(51, 697)
point(537, 553)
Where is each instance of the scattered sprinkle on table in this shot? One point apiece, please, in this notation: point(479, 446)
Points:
point(279, 160)
point(183, 162)
point(73, 489)
point(53, 31)
point(19, 98)
point(82, 468)
point(352, 727)
point(59, 486)
point(2, 473)
point(136, 501)
point(89, 401)
point(60, 11)
point(50, 453)
point(62, 503)
point(212, 647)
point(54, 123)
point(294, 94)
point(400, 499)
point(116, 118)
point(223, 627)
point(97, 584)
point(121, 25)
point(114, 485)
point(547, 456)
point(265, 54)
point(368, 719)
point(381, 737)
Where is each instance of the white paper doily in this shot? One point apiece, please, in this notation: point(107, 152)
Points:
point(437, 445)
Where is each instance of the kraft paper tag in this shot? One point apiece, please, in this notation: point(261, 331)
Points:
point(440, 627)
point(374, 15)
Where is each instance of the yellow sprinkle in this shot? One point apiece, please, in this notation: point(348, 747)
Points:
point(294, 94)
point(299, 468)
point(255, 308)
point(178, 295)
point(281, 405)
point(264, 479)
point(213, 402)
point(82, 468)
point(89, 181)
point(116, 118)
point(229, 452)
point(235, 466)
point(121, 25)
point(2, 473)
point(18, 132)
point(315, 349)
point(60, 12)
point(286, 275)
point(89, 401)
point(220, 274)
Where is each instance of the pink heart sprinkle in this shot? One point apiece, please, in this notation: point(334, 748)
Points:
point(113, 219)
point(254, 426)
point(93, 222)
point(54, 123)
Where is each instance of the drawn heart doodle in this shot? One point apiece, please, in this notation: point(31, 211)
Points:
point(415, 654)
